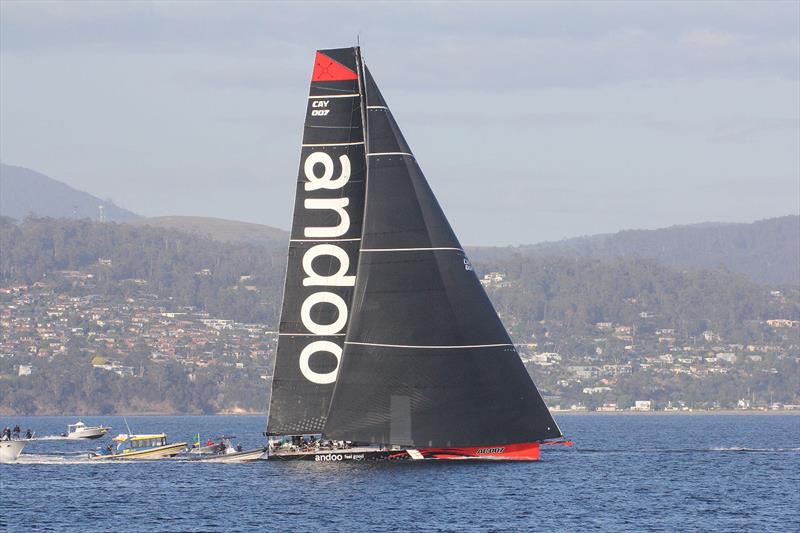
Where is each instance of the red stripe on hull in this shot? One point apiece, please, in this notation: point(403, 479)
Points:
point(526, 451)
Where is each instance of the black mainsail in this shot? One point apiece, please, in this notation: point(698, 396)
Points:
point(426, 360)
point(386, 335)
point(323, 250)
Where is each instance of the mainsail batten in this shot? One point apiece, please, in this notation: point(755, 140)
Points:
point(427, 361)
point(323, 248)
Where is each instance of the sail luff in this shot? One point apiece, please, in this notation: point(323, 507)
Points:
point(323, 249)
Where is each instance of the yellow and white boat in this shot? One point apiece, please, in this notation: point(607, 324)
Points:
point(140, 447)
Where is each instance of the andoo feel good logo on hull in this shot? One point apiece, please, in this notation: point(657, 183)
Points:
point(324, 247)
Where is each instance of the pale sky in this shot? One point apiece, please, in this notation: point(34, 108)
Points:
point(532, 121)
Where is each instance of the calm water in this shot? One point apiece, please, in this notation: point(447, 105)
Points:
point(626, 473)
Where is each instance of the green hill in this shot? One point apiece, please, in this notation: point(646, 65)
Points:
point(766, 251)
point(91, 288)
point(218, 229)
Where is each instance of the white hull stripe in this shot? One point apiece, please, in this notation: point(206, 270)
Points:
point(429, 347)
point(333, 144)
point(390, 153)
point(407, 249)
point(324, 240)
point(351, 95)
point(377, 107)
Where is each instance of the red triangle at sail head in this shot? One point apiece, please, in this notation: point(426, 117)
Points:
point(326, 69)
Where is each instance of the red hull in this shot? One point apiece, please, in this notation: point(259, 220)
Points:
point(526, 451)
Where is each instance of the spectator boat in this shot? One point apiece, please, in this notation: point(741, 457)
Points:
point(231, 453)
point(139, 447)
point(80, 430)
point(10, 450)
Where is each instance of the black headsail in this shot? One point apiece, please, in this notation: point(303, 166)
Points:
point(427, 361)
point(323, 251)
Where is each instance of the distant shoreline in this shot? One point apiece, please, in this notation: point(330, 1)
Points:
point(795, 412)
point(151, 413)
point(671, 413)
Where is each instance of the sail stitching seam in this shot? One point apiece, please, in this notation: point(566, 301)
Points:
point(325, 240)
point(313, 334)
point(427, 347)
point(336, 96)
point(391, 153)
point(333, 144)
point(407, 249)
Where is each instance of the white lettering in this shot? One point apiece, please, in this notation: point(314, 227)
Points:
point(339, 279)
point(319, 179)
point(338, 205)
point(320, 103)
point(324, 182)
point(320, 346)
point(323, 298)
point(482, 451)
point(329, 457)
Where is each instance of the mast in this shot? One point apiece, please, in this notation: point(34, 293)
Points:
point(324, 246)
point(426, 360)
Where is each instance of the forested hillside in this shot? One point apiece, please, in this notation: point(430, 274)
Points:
point(107, 317)
point(218, 229)
point(189, 269)
point(580, 292)
point(206, 274)
point(766, 251)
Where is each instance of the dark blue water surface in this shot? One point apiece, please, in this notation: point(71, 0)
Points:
point(625, 473)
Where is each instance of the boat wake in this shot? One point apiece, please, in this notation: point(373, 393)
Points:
point(740, 449)
point(54, 459)
point(82, 458)
point(721, 449)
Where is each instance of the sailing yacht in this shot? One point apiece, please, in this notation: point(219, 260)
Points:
point(389, 348)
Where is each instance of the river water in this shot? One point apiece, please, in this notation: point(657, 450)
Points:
point(633, 473)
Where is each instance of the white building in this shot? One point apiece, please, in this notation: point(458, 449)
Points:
point(492, 278)
point(596, 390)
point(728, 357)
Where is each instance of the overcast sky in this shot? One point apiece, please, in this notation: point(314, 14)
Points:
point(532, 121)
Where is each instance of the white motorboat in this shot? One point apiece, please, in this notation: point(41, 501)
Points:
point(10, 450)
point(234, 456)
point(82, 431)
point(234, 453)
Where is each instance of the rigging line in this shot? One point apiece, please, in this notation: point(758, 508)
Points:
point(429, 347)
